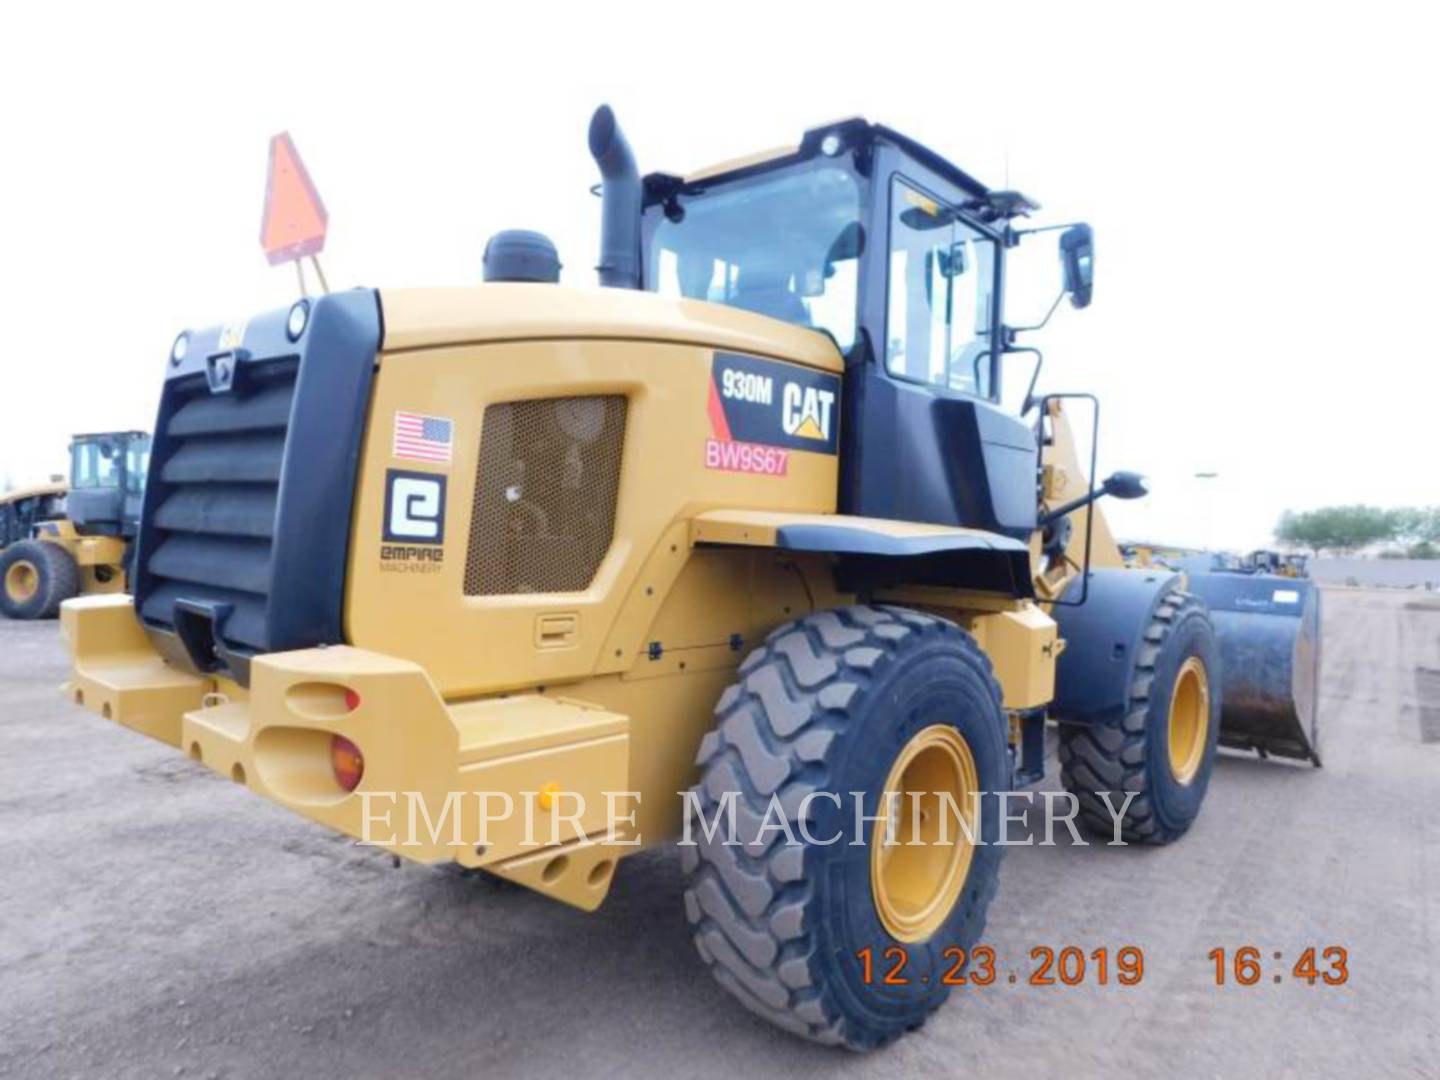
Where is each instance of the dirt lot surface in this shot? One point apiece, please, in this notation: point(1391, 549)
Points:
point(156, 920)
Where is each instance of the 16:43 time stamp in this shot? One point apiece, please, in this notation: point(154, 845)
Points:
point(1247, 966)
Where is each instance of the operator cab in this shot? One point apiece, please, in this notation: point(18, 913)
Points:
point(107, 481)
point(865, 235)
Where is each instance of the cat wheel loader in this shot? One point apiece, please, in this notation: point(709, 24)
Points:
point(59, 541)
point(739, 549)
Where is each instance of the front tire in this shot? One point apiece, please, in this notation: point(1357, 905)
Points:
point(1162, 750)
point(845, 701)
point(36, 577)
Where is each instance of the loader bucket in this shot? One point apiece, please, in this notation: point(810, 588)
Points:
point(1269, 633)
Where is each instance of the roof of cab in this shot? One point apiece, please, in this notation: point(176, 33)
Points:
point(852, 132)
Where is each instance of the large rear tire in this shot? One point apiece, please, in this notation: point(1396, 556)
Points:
point(36, 577)
point(1162, 750)
point(857, 700)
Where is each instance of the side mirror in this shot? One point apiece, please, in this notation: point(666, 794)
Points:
point(1077, 257)
point(1120, 485)
point(1125, 485)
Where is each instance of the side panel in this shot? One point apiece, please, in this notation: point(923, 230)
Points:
point(408, 599)
point(1102, 640)
point(1021, 646)
point(97, 510)
point(933, 455)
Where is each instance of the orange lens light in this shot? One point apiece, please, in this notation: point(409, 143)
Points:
point(347, 762)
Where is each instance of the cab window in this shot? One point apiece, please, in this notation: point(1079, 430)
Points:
point(137, 465)
point(942, 286)
point(96, 464)
point(786, 243)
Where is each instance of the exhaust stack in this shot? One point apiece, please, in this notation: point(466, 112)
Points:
point(620, 208)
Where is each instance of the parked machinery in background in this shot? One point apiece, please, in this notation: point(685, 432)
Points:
point(58, 541)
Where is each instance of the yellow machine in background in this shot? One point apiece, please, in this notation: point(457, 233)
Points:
point(744, 530)
point(58, 541)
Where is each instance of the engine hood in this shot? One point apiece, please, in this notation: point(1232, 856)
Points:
point(425, 318)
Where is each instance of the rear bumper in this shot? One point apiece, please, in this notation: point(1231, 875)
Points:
point(437, 777)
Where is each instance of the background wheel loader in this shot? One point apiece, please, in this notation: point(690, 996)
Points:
point(733, 538)
point(59, 541)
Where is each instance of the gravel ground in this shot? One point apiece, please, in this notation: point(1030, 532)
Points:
point(156, 920)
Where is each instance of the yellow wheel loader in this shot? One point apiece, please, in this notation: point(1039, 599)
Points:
point(739, 549)
point(57, 542)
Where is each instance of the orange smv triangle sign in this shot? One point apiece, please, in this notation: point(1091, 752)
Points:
point(293, 225)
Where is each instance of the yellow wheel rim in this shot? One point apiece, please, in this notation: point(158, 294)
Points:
point(920, 855)
point(1189, 720)
point(22, 581)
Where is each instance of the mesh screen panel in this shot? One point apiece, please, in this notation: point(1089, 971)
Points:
point(545, 494)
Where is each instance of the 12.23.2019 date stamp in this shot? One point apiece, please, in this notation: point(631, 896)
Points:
point(1070, 965)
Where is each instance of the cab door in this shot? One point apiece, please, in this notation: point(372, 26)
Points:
point(928, 440)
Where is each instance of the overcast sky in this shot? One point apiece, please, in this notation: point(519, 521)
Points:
point(1262, 181)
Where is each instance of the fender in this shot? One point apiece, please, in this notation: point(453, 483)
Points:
point(877, 552)
point(1102, 641)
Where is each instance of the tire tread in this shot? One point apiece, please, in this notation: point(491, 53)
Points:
point(59, 578)
point(773, 733)
point(1111, 758)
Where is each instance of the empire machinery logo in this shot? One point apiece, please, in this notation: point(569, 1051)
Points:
point(413, 533)
point(550, 816)
point(762, 410)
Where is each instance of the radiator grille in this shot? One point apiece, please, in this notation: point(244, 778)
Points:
point(545, 494)
point(214, 523)
point(242, 541)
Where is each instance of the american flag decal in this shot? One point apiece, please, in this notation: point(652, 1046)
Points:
point(423, 438)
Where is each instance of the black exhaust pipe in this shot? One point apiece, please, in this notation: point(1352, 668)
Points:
point(620, 207)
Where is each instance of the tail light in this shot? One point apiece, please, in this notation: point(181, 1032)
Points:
point(347, 762)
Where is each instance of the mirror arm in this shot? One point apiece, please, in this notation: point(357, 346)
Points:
point(1010, 347)
point(1041, 324)
point(1071, 506)
point(1017, 233)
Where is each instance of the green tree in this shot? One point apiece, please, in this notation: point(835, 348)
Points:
point(1417, 525)
point(1337, 528)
